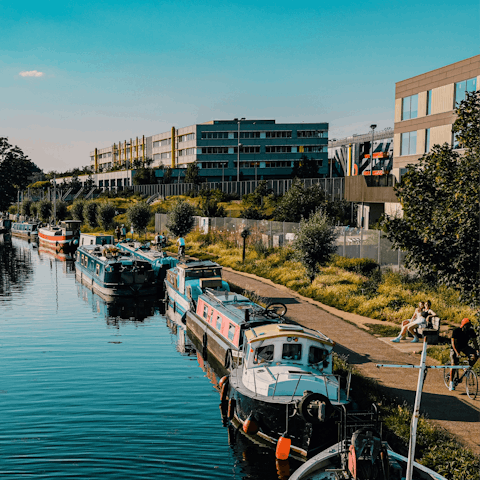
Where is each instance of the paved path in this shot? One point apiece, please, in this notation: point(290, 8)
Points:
point(453, 411)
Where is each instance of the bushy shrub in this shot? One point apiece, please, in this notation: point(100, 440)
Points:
point(139, 216)
point(363, 266)
point(105, 215)
point(34, 209)
point(61, 210)
point(180, 218)
point(90, 214)
point(44, 210)
point(26, 207)
point(77, 210)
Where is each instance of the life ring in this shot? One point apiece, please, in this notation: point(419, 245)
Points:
point(355, 169)
point(305, 407)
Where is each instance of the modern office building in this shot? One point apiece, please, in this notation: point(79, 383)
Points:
point(224, 149)
point(425, 109)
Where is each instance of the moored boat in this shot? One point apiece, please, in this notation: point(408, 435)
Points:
point(112, 273)
point(285, 391)
point(361, 455)
point(25, 229)
point(221, 318)
point(159, 260)
point(61, 239)
point(189, 279)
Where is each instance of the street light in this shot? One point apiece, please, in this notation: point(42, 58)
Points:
point(238, 149)
point(373, 127)
point(223, 173)
point(256, 173)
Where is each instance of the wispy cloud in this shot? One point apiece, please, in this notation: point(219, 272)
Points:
point(31, 73)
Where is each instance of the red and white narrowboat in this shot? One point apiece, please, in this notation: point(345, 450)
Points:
point(61, 239)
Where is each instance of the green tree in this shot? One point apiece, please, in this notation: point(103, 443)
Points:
point(314, 243)
point(305, 168)
point(167, 175)
point(44, 210)
point(61, 210)
point(144, 176)
point(77, 210)
point(16, 171)
point(139, 215)
point(440, 197)
point(299, 202)
point(34, 209)
point(180, 218)
point(105, 215)
point(26, 207)
point(192, 175)
point(90, 213)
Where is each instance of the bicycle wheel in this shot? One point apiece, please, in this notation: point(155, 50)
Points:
point(446, 375)
point(471, 384)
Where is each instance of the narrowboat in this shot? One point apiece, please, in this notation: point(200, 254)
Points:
point(95, 239)
point(61, 239)
point(25, 229)
point(159, 260)
point(187, 280)
point(5, 225)
point(361, 455)
point(111, 273)
point(284, 391)
point(221, 318)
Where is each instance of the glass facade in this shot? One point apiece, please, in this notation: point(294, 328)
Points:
point(429, 103)
point(408, 143)
point(461, 88)
point(410, 107)
point(427, 140)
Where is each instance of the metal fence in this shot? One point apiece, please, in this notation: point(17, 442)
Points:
point(333, 187)
point(350, 242)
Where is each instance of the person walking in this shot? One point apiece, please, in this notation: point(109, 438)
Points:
point(124, 232)
point(117, 233)
point(181, 246)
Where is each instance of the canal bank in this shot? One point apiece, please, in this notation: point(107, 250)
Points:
point(453, 411)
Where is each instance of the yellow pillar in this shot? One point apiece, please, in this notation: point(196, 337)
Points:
point(143, 148)
point(136, 149)
point(350, 167)
point(173, 147)
point(96, 160)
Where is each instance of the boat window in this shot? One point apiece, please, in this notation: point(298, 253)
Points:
point(97, 269)
point(231, 332)
point(219, 322)
point(317, 355)
point(211, 316)
point(292, 351)
point(205, 311)
point(263, 354)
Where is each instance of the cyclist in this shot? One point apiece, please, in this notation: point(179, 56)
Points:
point(181, 246)
point(460, 338)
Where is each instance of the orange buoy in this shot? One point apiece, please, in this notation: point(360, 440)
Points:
point(250, 426)
point(283, 469)
point(224, 390)
point(222, 380)
point(231, 408)
point(283, 447)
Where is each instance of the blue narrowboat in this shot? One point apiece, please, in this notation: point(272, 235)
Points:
point(112, 273)
point(189, 279)
point(25, 229)
point(159, 260)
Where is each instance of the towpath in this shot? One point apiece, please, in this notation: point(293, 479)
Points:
point(453, 411)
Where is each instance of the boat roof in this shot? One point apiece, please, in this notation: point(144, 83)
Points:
point(198, 264)
point(232, 305)
point(278, 330)
point(98, 251)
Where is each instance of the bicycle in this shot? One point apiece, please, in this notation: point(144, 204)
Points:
point(471, 379)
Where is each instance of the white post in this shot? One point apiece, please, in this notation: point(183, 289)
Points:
point(416, 411)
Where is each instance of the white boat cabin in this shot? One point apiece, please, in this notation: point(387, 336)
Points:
point(285, 360)
point(95, 239)
point(202, 274)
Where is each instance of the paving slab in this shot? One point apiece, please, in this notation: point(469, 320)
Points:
point(453, 411)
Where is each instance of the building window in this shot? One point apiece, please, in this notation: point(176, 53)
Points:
point(278, 134)
point(408, 143)
point(165, 155)
point(313, 149)
point(278, 149)
point(429, 103)
point(455, 142)
point(410, 107)
point(461, 89)
point(312, 134)
point(427, 140)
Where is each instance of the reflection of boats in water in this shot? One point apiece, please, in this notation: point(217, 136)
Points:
point(6, 238)
point(120, 310)
point(113, 273)
point(5, 225)
point(184, 344)
point(61, 239)
point(63, 257)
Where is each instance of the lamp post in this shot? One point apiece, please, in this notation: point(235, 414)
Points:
point(256, 174)
point(238, 149)
point(373, 127)
point(223, 173)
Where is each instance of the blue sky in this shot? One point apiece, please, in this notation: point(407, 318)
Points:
point(114, 70)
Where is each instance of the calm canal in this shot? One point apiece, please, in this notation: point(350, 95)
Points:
point(90, 390)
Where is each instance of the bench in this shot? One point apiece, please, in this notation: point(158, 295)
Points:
point(431, 331)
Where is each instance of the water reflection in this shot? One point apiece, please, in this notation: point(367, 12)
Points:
point(120, 310)
point(16, 267)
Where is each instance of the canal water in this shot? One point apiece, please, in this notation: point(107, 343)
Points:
point(93, 390)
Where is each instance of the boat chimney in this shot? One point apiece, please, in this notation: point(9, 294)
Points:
point(247, 316)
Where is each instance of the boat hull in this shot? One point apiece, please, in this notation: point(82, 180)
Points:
point(270, 414)
point(57, 244)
